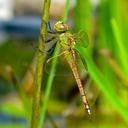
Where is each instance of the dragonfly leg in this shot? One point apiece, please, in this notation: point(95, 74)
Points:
point(49, 51)
point(41, 51)
point(56, 56)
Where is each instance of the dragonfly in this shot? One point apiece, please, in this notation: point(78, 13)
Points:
point(67, 41)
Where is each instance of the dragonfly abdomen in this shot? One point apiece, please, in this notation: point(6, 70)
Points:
point(76, 74)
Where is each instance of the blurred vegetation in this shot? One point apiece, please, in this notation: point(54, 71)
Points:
point(105, 85)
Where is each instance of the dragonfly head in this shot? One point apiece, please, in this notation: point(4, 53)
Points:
point(61, 27)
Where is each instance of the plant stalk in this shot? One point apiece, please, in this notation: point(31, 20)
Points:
point(39, 66)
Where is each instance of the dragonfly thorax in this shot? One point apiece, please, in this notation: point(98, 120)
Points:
point(61, 27)
point(66, 40)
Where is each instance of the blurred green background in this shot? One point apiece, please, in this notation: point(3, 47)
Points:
point(105, 81)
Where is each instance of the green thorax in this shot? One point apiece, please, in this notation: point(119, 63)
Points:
point(66, 40)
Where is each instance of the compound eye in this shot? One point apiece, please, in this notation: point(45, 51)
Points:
point(60, 26)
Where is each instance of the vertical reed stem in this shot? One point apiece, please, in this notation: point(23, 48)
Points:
point(39, 66)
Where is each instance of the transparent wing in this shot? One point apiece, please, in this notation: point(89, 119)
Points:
point(63, 68)
point(50, 37)
point(81, 38)
point(84, 63)
point(50, 42)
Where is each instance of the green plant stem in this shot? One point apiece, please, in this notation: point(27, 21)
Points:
point(120, 45)
point(52, 72)
point(114, 65)
point(39, 66)
point(66, 10)
point(48, 89)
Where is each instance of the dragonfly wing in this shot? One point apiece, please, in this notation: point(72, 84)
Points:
point(52, 49)
point(50, 43)
point(81, 38)
point(50, 36)
point(84, 63)
point(81, 61)
point(62, 68)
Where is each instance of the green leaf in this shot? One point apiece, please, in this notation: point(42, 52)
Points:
point(120, 45)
